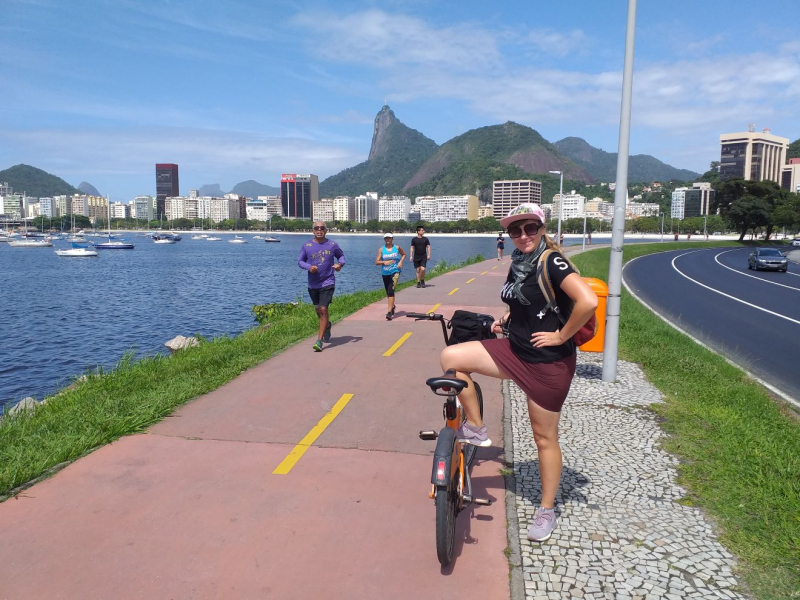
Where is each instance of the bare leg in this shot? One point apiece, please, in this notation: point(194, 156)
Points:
point(419, 274)
point(545, 433)
point(322, 313)
point(465, 359)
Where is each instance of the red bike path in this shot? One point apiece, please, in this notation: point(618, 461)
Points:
point(194, 509)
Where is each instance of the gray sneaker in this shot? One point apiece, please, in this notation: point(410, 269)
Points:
point(543, 525)
point(470, 434)
point(326, 337)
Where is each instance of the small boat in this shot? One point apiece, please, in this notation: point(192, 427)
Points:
point(237, 239)
point(258, 237)
point(213, 239)
point(75, 239)
point(114, 245)
point(77, 252)
point(269, 238)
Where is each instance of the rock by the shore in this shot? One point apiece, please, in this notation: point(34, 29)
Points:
point(24, 405)
point(181, 343)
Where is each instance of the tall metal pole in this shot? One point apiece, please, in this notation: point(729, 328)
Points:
point(560, 205)
point(611, 349)
point(662, 228)
point(583, 245)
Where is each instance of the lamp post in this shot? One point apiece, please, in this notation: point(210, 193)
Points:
point(583, 245)
point(705, 232)
point(662, 227)
point(560, 203)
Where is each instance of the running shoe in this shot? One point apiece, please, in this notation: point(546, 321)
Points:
point(419, 284)
point(543, 525)
point(470, 434)
point(389, 316)
point(393, 309)
point(423, 283)
point(317, 346)
point(326, 337)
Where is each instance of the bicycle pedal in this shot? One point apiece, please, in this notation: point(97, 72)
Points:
point(482, 501)
point(428, 435)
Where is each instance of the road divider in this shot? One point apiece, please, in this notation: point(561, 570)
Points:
point(297, 452)
point(453, 291)
point(397, 344)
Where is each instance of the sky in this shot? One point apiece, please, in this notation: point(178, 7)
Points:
point(100, 91)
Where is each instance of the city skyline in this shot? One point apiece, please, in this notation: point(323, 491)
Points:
point(240, 92)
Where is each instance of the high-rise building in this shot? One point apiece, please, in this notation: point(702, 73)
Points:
point(790, 176)
point(690, 202)
point(395, 208)
point(298, 192)
point(508, 194)
point(426, 207)
point(322, 210)
point(166, 185)
point(455, 208)
point(366, 207)
point(752, 156)
point(573, 206)
point(344, 208)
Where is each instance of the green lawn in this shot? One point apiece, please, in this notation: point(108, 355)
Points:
point(739, 448)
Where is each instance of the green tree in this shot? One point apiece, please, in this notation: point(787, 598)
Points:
point(749, 213)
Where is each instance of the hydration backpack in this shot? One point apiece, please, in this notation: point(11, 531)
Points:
point(469, 326)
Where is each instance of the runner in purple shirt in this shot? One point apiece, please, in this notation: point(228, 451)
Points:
point(319, 257)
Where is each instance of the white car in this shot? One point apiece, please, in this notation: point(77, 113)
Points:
point(796, 242)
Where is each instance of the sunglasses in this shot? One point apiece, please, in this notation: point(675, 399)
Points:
point(530, 229)
point(318, 228)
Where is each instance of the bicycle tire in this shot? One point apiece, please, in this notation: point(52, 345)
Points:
point(471, 451)
point(446, 510)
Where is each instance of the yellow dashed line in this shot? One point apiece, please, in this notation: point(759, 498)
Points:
point(484, 273)
point(493, 268)
point(454, 291)
point(397, 344)
point(471, 280)
point(435, 306)
point(300, 449)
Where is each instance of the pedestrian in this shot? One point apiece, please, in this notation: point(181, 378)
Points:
point(676, 236)
point(390, 259)
point(319, 257)
point(501, 245)
point(688, 236)
point(420, 254)
point(589, 238)
point(561, 240)
point(538, 354)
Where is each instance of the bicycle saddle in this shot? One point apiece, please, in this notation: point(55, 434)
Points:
point(443, 383)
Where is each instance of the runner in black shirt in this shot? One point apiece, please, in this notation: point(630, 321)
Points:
point(420, 254)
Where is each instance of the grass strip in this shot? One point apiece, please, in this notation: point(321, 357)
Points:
point(134, 395)
point(739, 448)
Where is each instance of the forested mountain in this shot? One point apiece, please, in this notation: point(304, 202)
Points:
point(602, 165)
point(35, 182)
point(396, 153)
point(476, 158)
point(794, 149)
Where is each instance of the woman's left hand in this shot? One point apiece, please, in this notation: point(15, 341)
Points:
point(541, 339)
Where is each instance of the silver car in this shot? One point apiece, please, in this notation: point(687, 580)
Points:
point(767, 258)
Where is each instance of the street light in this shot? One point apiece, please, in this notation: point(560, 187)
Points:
point(560, 203)
point(583, 245)
point(662, 227)
point(705, 233)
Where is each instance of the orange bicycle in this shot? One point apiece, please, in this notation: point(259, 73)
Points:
point(451, 485)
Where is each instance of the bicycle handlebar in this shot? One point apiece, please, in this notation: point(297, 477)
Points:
point(425, 316)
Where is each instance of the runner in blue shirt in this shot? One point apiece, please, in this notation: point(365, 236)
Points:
point(318, 256)
point(390, 259)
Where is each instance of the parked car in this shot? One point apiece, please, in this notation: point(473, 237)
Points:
point(796, 242)
point(767, 258)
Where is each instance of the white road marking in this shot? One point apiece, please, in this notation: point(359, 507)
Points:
point(767, 385)
point(716, 260)
point(716, 291)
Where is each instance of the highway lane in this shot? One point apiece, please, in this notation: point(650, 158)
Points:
point(752, 318)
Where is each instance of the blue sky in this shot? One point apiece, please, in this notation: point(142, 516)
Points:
point(102, 90)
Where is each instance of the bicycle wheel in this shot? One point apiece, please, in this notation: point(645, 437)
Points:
point(446, 510)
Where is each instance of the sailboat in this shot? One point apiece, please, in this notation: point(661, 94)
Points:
point(112, 244)
point(76, 251)
point(237, 239)
point(25, 241)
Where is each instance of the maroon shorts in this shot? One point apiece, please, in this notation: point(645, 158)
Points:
point(547, 384)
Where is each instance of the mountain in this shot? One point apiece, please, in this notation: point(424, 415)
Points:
point(88, 189)
point(211, 189)
point(479, 156)
point(602, 165)
point(252, 189)
point(35, 182)
point(397, 152)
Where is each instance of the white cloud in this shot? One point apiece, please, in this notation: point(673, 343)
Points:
point(556, 42)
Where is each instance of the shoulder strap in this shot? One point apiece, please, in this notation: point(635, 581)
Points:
point(543, 279)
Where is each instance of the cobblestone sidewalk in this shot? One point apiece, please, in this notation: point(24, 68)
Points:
point(621, 533)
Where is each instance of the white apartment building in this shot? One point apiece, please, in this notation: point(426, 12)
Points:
point(507, 194)
point(635, 210)
point(426, 207)
point(11, 206)
point(344, 208)
point(395, 208)
point(47, 207)
point(217, 209)
point(597, 208)
point(485, 210)
point(263, 208)
point(62, 205)
point(678, 202)
point(454, 208)
point(273, 205)
point(80, 205)
point(143, 207)
point(97, 207)
point(366, 207)
point(119, 210)
point(573, 206)
point(32, 208)
point(322, 210)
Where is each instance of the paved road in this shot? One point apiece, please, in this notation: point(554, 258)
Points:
point(751, 317)
point(210, 503)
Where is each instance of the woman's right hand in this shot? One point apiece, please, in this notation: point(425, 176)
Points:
point(497, 326)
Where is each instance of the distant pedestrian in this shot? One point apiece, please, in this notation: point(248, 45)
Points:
point(420, 254)
point(589, 238)
point(390, 259)
point(676, 236)
point(319, 257)
point(501, 245)
point(561, 240)
point(688, 236)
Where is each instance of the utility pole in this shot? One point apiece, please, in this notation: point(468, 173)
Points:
point(560, 204)
point(611, 347)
